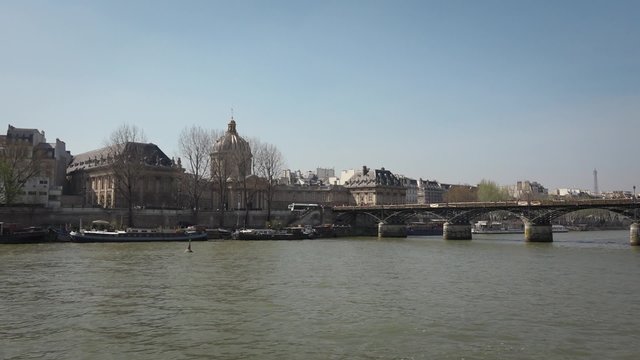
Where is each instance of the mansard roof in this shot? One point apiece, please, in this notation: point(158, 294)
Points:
point(430, 184)
point(44, 146)
point(152, 155)
point(33, 136)
point(379, 177)
point(14, 130)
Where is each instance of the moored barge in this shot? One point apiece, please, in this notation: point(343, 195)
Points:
point(135, 235)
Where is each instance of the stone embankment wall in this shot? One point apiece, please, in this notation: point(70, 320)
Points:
point(34, 216)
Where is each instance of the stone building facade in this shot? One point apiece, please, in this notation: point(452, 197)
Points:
point(524, 190)
point(231, 164)
point(91, 178)
point(51, 159)
point(430, 192)
point(234, 186)
point(377, 187)
point(325, 195)
point(412, 189)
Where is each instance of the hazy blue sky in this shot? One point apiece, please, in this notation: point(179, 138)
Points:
point(456, 91)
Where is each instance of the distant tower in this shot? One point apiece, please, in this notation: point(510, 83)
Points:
point(595, 182)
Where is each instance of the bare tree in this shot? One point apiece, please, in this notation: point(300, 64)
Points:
point(127, 163)
point(269, 162)
point(230, 169)
point(196, 145)
point(18, 164)
point(221, 169)
point(244, 164)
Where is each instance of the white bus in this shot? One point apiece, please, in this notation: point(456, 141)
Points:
point(302, 207)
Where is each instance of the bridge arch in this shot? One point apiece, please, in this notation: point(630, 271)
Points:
point(536, 215)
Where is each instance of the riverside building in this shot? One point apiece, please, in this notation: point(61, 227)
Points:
point(42, 165)
point(234, 186)
point(91, 179)
point(377, 187)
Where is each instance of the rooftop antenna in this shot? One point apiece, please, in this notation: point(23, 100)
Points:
point(595, 182)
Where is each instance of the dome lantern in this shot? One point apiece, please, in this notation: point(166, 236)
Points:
point(232, 126)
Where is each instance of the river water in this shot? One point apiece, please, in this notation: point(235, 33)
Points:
point(495, 297)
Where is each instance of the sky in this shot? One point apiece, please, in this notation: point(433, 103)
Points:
point(454, 91)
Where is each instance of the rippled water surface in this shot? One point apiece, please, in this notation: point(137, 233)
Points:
point(494, 297)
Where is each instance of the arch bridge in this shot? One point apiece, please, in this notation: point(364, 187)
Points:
point(536, 215)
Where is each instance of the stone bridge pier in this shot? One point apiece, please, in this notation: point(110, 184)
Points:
point(392, 230)
point(538, 232)
point(451, 231)
point(634, 234)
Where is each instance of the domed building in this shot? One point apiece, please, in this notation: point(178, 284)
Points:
point(231, 155)
point(234, 185)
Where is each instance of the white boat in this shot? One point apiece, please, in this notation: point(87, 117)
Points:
point(486, 227)
point(559, 228)
point(292, 233)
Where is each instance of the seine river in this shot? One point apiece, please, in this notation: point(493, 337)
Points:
point(495, 297)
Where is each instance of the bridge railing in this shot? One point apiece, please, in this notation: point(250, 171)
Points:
point(495, 204)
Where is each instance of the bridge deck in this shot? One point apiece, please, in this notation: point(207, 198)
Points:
point(579, 204)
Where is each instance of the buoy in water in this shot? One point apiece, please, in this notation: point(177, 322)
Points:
point(188, 249)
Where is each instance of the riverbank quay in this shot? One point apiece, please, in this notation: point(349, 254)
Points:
point(149, 218)
point(63, 220)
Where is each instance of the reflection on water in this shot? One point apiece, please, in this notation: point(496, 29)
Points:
point(492, 297)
